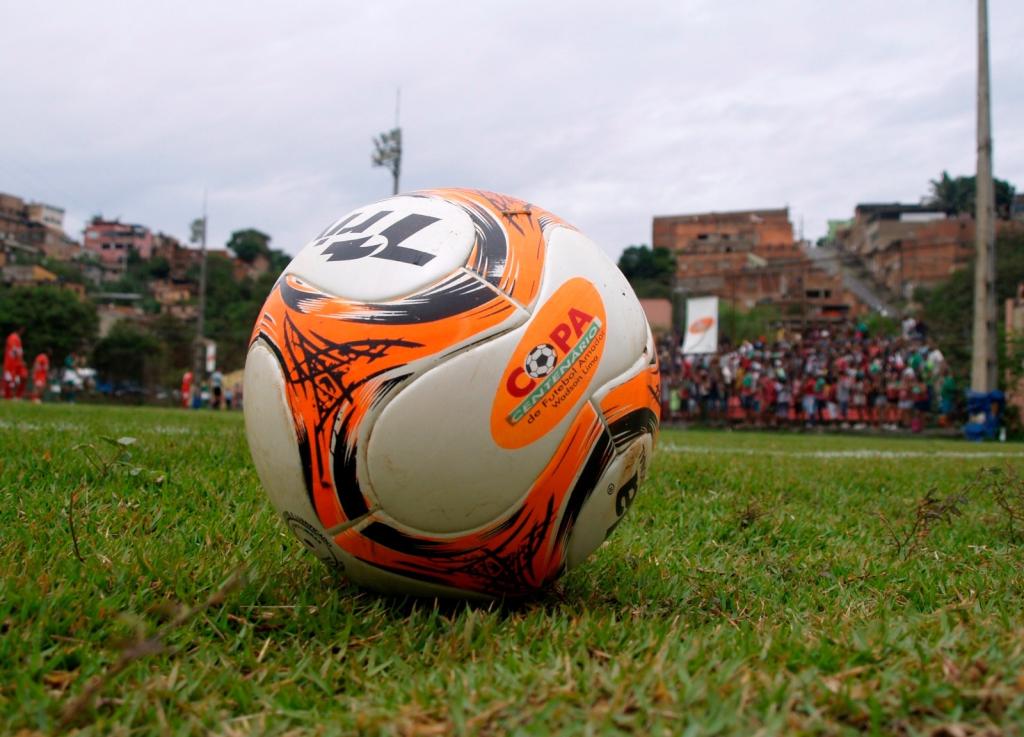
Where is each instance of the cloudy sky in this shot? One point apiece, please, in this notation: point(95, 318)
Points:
point(606, 114)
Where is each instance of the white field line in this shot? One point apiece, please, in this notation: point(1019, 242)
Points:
point(65, 426)
point(838, 454)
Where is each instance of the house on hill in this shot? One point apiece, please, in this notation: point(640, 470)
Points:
point(37, 226)
point(749, 258)
point(111, 240)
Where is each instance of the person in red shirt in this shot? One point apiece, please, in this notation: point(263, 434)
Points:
point(40, 375)
point(768, 399)
point(14, 366)
point(186, 389)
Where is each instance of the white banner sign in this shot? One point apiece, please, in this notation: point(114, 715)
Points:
point(211, 356)
point(701, 325)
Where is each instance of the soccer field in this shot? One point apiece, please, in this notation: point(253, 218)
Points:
point(771, 583)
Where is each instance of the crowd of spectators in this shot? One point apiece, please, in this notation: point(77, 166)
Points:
point(823, 376)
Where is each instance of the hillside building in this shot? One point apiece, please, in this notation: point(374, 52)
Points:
point(112, 241)
point(903, 247)
point(749, 258)
point(35, 226)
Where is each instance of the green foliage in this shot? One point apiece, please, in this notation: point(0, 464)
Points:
point(177, 337)
point(748, 591)
point(54, 319)
point(232, 307)
point(958, 194)
point(878, 324)
point(948, 308)
point(158, 267)
point(651, 288)
point(129, 353)
point(138, 275)
point(738, 325)
point(649, 272)
point(249, 243)
point(642, 262)
point(65, 271)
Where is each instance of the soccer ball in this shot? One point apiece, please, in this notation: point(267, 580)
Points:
point(451, 393)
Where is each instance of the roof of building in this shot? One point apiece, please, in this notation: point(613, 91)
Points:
point(766, 213)
point(118, 296)
point(894, 208)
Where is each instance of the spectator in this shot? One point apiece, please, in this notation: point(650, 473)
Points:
point(15, 372)
point(844, 376)
point(40, 376)
point(217, 384)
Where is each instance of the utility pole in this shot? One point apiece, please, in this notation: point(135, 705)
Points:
point(388, 148)
point(199, 354)
point(983, 358)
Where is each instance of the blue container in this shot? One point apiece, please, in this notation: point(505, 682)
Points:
point(985, 410)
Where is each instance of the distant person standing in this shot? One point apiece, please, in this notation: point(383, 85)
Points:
point(186, 389)
point(217, 386)
point(40, 376)
point(15, 372)
point(70, 380)
point(947, 398)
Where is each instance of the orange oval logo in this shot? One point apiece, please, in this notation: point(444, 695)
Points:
point(702, 325)
point(551, 367)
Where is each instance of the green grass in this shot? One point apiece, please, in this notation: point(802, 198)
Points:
point(753, 588)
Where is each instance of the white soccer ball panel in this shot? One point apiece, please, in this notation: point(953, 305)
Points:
point(571, 254)
point(640, 364)
point(609, 502)
point(387, 250)
point(275, 453)
point(431, 460)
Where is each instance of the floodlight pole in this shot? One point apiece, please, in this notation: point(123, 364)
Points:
point(983, 359)
point(397, 171)
point(201, 322)
point(199, 353)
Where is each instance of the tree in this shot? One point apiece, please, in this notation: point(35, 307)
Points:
point(66, 271)
point(649, 271)
point(54, 319)
point(956, 194)
point(760, 321)
point(947, 309)
point(128, 354)
point(176, 336)
point(158, 267)
point(249, 243)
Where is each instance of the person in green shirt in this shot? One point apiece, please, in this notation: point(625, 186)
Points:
point(675, 404)
point(947, 398)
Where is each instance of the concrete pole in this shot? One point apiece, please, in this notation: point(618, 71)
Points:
point(199, 352)
point(983, 359)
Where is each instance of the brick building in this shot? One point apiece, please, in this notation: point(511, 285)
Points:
point(37, 226)
point(112, 240)
point(175, 298)
point(716, 242)
point(907, 246)
point(750, 258)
